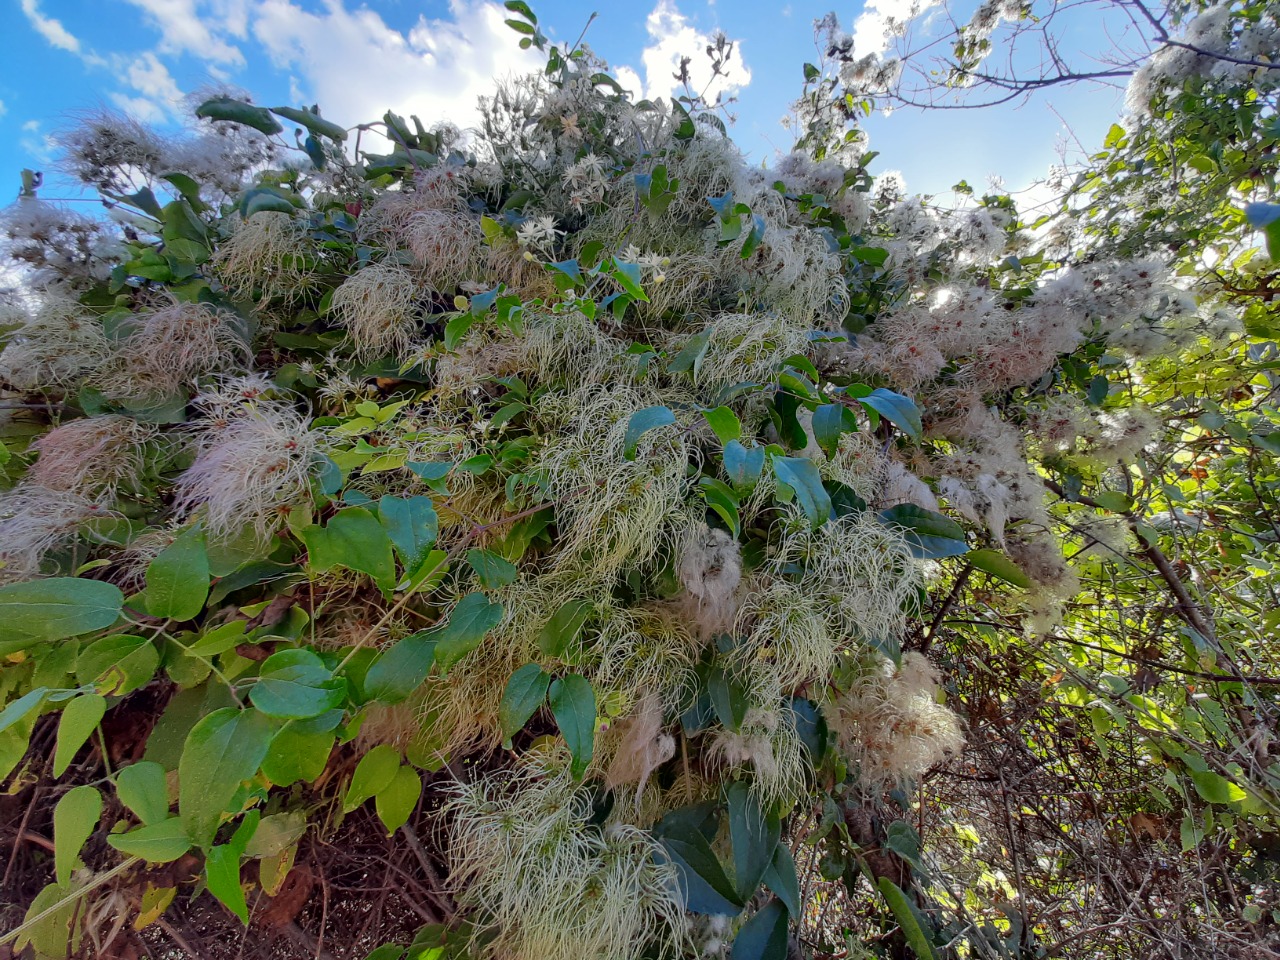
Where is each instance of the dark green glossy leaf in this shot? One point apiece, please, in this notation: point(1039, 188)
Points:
point(897, 409)
point(296, 685)
point(400, 669)
point(764, 936)
point(563, 628)
point(930, 535)
point(641, 422)
point(237, 111)
point(573, 703)
point(526, 691)
point(743, 465)
point(161, 842)
point(802, 478)
point(473, 617)
point(353, 539)
point(412, 525)
point(222, 750)
point(492, 569)
point(178, 579)
point(54, 609)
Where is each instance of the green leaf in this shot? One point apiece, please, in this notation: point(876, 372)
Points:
point(353, 539)
point(702, 879)
point(573, 703)
point(906, 917)
point(401, 668)
point(298, 752)
point(830, 421)
point(118, 664)
point(802, 478)
point(641, 422)
point(764, 936)
point(14, 713)
point(753, 835)
point(743, 465)
point(998, 565)
point(723, 501)
point(931, 536)
point(141, 787)
point(526, 691)
point(237, 111)
point(80, 718)
point(689, 359)
point(472, 617)
point(781, 878)
point(628, 277)
point(296, 685)
point(412, 525)
point(396, 801)
point(222, 868)
point(221, 751)
point(178, 579)
point(563, 628)
point(373, 774)
point(54, 609)
point(895, 408)
point(724, 424)
point(161, 842)
point(728, 697)
point(492, 569)
point(313, 122)
point(74, 818)
point(1214, 788)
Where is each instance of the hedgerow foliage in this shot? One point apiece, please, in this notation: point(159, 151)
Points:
point(626, 491)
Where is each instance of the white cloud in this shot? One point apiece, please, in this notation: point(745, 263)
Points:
point(630, 81)
point(671, 38)
point(357, 67)
point(3, 109)
point(37, 145)
point(882, 21)
point(158, 97)
point(49, 28)
point(195, 27)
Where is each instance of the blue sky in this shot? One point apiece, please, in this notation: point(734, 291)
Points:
point(433, 57)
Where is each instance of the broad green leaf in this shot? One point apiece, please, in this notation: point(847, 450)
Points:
point(79, 719)
point(641, 422)
point(275, 833)
point(312, 121)
point(142, 788)
point(54, 609)
point(830, 421)
point(412, 525)
point(764, 936)
point(753, 835)
point(473, 617)
point(781, 878)
point(296, 685)
point(689, 359)
point(373, 774)
point(297, 752)
point(724, 423)
point(563, 628)
point(27, 704)
point(931, 536)
point(74, 818)
point(353, 539)
point(118, 664)
point(728, 697)
point(573, 703)
point(219, 640)
point(222, 868)
point(897, 409)
point(907, 919)
point(526, 691)
point(238, 111)
point(59, 934)
point(628, 277)
point(396, 801)
point(222, 750)
point(723, 501)
point(998, 565)
point(802, 478)
point(702, 879)
point(178, 579)
point(492, 569)
point(1214, 788)
point(160, 842)
point(743, 465)
point(401, 668)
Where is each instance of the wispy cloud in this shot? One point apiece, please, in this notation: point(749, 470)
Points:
point(671, 37)
point(50, 28)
